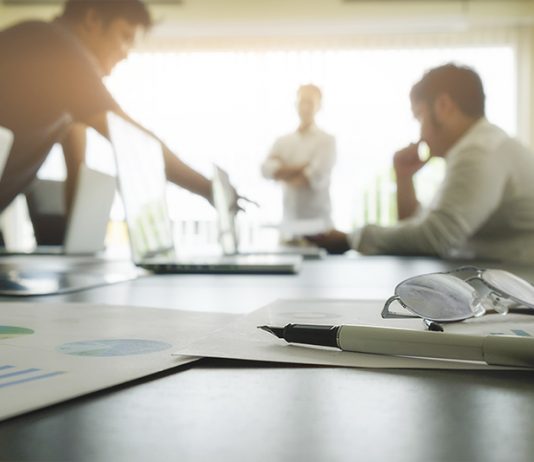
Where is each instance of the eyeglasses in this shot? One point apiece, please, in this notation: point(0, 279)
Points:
point(460, 294)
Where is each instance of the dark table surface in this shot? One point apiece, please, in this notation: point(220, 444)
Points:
point(233, 410)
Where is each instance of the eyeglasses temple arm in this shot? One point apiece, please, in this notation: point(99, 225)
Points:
point(386, 314)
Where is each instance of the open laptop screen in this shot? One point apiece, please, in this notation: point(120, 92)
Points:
point(224, 198)
point(142, 183)
point(6, 140)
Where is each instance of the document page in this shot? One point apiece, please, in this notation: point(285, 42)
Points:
point(54, 352)
point(243, 340)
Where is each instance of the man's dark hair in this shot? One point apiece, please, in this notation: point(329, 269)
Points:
point(133, 11)
point(461, 83)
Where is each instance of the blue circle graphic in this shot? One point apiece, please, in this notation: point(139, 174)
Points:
point(114, 347)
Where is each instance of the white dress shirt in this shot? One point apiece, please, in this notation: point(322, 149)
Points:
point(317, 149)
point(483, 209)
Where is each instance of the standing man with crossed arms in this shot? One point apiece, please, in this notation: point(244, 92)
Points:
point(302, 162)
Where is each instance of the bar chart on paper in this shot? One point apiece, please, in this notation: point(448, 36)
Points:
point(11, 375)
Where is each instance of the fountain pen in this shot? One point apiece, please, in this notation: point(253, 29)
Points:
point(499, 350)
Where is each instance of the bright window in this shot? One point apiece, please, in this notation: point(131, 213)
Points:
point(228, 108)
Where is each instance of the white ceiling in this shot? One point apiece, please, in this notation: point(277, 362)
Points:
point(239, 17)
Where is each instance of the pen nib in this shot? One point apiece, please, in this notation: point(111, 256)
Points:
point(278, 331)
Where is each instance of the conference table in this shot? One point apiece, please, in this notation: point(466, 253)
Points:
point(230, 410)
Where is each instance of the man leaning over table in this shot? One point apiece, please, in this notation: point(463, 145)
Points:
point(51, 89)
point(484, 207)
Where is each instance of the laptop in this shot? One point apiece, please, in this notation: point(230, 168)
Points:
point(6, 140)
point(224, 199)
point(84, 231)
point(142, 184)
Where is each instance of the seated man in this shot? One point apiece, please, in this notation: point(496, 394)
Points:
point(485, 206)
point(51, 89)
point(302, 162)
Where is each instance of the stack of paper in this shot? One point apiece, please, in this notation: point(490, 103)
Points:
point(242, 339)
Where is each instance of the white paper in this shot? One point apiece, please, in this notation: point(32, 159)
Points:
point(54, 352)
point(304, 227)
point(243, 340)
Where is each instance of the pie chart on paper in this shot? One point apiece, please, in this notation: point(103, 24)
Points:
point(13, 331)
point(113, 347)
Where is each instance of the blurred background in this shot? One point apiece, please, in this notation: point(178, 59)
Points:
point(217, 81)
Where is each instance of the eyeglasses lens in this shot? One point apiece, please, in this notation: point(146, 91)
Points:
point(439, 297)
point(510, 284)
